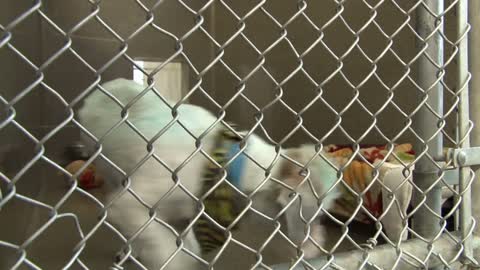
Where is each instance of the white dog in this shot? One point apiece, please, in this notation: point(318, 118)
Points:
point(156, 191)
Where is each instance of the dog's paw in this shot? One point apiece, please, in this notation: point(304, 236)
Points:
point(318, 233)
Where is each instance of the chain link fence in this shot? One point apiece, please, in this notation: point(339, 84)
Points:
point(377, 90)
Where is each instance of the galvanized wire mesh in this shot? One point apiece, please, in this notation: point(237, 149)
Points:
point(428, 70)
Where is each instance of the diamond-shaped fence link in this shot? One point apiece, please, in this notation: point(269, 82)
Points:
point(323, 135)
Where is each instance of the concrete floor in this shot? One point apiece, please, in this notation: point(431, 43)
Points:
point(53, 249)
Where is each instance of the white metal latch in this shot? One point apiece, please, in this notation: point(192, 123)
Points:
point(463, 157)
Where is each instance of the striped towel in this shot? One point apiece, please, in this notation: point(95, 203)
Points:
point(358, 177)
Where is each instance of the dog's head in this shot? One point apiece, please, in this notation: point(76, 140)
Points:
point(310, 188)
point(311, 175)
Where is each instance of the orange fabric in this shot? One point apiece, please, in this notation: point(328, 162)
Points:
point(358, 175)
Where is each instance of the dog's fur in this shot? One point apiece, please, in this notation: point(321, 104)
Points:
point(152, 181)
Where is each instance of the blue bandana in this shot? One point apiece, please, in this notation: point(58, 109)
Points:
point(236, 166)
point(223, 204)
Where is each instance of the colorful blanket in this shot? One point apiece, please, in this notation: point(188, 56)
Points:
point(358, 175)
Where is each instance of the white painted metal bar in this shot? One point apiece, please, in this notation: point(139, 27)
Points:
point(464, 125)
point(386, 256)
point(474, 98)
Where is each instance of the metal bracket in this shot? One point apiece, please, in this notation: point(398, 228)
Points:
point(463, 157)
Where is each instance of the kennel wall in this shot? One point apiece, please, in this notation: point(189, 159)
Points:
point(362, 63)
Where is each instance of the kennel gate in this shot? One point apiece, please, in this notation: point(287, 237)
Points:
point(433, 247)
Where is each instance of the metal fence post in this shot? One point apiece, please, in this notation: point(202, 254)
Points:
point(428, 27)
